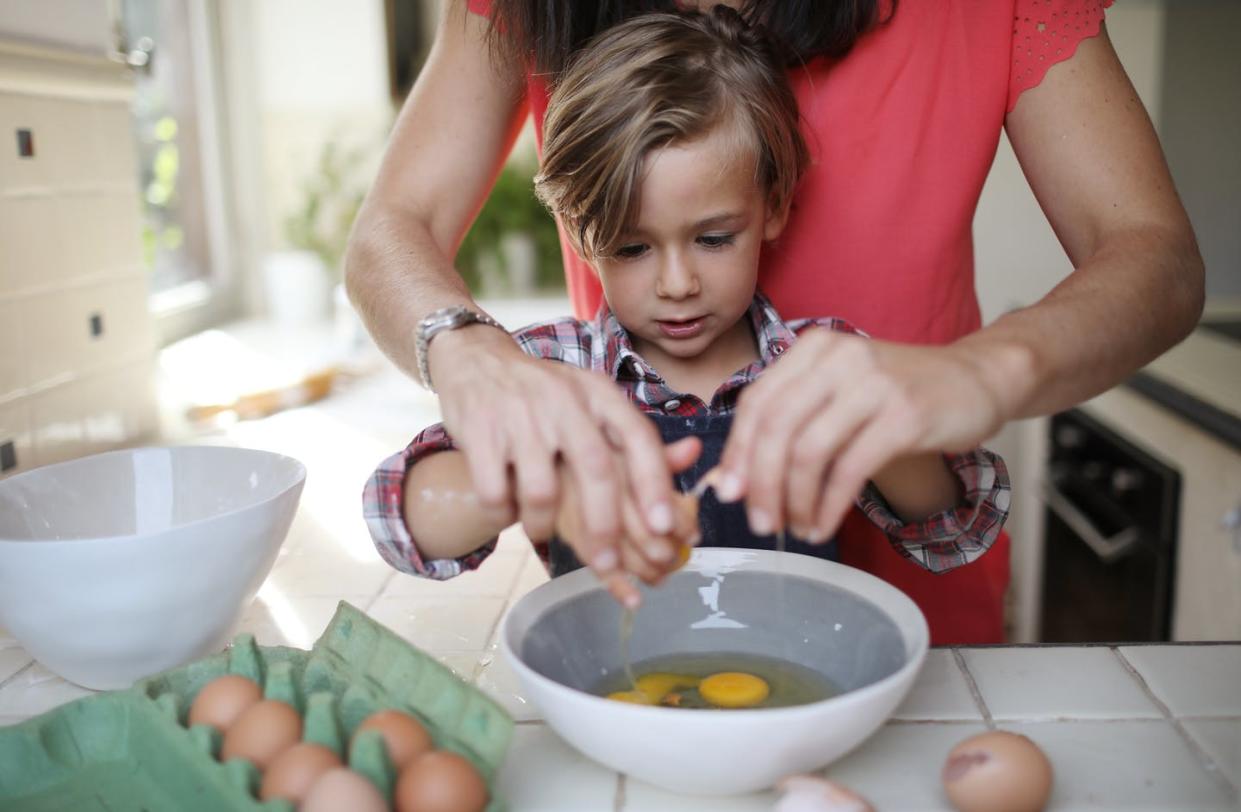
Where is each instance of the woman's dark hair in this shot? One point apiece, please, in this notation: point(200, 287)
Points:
point(549, 32)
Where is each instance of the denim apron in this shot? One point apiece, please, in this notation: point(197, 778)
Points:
point(722, 525)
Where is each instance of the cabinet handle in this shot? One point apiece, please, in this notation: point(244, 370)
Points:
point(1107, 548)
point(1232, 521)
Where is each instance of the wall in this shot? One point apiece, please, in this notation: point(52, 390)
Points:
point(76, 348)
point(1201, 129)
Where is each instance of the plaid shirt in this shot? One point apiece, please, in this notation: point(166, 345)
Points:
point(938, 543)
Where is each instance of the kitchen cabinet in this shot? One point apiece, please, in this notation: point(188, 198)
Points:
point(1207, 591)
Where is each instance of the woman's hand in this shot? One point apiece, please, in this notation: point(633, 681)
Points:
point(527, 426)
point(835, 409)
point(637, 540)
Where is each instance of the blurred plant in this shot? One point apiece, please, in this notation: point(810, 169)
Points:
point(331, 198)
point(512, 208)
point(161, 231)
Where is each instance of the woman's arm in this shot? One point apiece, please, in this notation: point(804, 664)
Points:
point(835, 409)
point(513, 416)
point(1094, 162)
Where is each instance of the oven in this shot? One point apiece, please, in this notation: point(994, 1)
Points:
point(1110, 537)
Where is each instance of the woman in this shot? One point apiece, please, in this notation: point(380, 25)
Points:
point(902, 109)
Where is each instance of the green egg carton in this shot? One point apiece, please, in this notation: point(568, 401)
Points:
point(130, 751)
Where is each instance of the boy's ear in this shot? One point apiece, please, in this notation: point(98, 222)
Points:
point(776, 220)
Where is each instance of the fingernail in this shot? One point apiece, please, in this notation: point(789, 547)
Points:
point(817, 535)
point(660, 518)
point(605, 560)
point(728, 487)
point(659, 552)
point(761, 523)
point(632, 600)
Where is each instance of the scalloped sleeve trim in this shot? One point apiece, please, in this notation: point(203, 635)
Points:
point(1045, 33)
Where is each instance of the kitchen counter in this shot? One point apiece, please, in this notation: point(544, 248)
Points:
point(1198, 379)
point(1150, 726)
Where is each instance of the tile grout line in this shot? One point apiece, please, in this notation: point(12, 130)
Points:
point(973, 686)
point(618, 805)
point(1203, 757)
point(379, 592)
point(18, 672)
point(480, 666)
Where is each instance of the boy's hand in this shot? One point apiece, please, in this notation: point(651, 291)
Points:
point(641, 553)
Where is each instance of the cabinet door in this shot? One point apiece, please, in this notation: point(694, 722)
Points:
point(1207, 590)
point(1208, 579)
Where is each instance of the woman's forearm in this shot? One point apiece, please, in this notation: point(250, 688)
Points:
point(441, 509)
point(1137, 295)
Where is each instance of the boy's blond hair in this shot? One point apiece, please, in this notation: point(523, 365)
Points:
point(649, 82)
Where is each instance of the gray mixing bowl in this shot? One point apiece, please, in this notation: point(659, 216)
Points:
point(864, 635)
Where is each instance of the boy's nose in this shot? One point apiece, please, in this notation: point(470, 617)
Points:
point(678, 279)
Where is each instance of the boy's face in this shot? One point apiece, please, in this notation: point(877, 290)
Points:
point(686, 274)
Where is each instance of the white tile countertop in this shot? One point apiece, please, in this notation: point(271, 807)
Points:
point(1125, 727)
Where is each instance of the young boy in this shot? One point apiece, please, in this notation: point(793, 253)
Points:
point(671, 153)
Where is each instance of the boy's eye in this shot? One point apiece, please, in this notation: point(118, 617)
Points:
point(716, 240)
point(631, 251)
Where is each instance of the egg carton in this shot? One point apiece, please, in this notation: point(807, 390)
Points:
point(130, 751)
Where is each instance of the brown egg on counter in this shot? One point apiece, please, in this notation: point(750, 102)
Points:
point(263, 731)
point(997, 772)
point(295, 770)
point(342, 790)
point(222, 700)
point(440, 781)
point(404, 736)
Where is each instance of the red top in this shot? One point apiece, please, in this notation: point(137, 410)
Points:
point(902, 133)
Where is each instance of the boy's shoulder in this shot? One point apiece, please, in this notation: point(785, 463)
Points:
point(568, 340)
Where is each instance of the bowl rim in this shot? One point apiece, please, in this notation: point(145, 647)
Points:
point(299, 478)
point(917, 644)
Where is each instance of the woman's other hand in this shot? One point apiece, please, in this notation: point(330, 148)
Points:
point(833, 411)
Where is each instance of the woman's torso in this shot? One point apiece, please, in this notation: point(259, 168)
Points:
point(902, 133)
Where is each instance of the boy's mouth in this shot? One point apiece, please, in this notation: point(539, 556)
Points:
point(682, 329)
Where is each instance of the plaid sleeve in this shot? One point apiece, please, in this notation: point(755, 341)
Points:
point(956, 536)
point(382, 502)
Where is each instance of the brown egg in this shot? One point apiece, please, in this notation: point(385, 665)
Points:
point(997, 772)
point(342, 790)
point(293, 772)
point(440, 781)
point(404, 736)
point(222, 700)
point(264, 731)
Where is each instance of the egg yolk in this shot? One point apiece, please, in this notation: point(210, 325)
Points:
point(632, 697)
point(733, 689)
point(683, 554)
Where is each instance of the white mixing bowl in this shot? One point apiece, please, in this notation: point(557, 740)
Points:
point(119, 565)
point(866, 636)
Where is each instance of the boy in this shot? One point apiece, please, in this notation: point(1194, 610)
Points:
point(670, 157)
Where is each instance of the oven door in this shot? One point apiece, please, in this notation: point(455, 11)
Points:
point(1109, 546)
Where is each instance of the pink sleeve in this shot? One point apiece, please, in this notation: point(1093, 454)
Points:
point(1046, 32)
point(480, 7)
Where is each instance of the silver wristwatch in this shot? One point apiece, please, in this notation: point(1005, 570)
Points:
point(446, 318)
